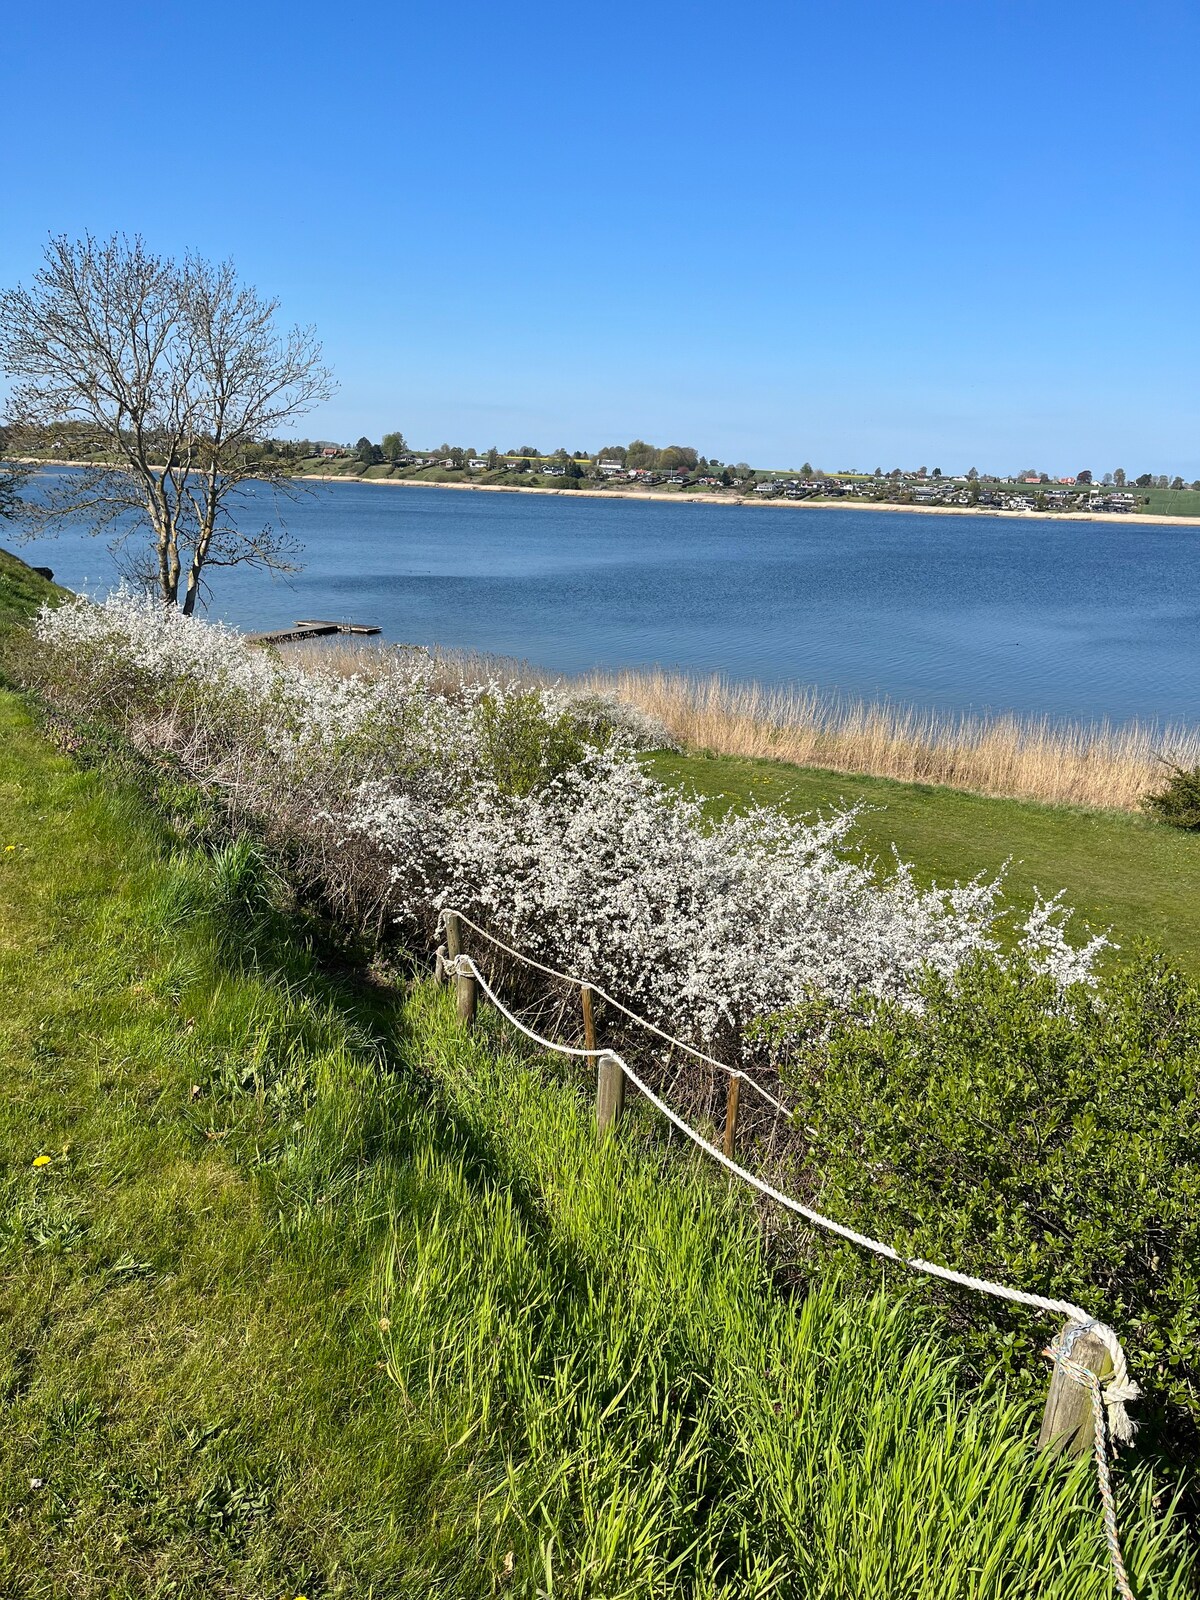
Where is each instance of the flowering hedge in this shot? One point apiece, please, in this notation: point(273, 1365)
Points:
point(409, 788)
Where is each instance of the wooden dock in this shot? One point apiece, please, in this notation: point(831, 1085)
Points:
point(309, 629)
point(339, 627)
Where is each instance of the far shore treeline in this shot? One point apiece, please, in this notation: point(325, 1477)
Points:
point(671, 468)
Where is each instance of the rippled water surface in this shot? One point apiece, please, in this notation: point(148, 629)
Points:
point(1080, 619)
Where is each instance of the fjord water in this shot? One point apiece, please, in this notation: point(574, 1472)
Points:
point(1083, 620)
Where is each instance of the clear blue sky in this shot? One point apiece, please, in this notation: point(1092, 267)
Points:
point(865, 234)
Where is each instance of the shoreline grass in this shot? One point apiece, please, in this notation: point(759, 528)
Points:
point(1105, 766)
point(1120, 868)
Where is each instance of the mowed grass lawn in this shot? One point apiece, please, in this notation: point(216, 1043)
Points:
point(1124, 872)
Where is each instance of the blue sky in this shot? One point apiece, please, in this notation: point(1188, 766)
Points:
point(860, 234)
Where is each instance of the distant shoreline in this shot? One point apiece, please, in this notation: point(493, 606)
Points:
point(730, 500)
point(756, 500)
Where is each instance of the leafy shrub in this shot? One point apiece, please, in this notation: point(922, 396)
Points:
point(1178, 802)
point(1044, 1139)
point(524, 743)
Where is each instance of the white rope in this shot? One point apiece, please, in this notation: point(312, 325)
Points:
point(1060, 1353)
point(1117, 1391)
point(1110, 1399)
point(460, 966)
point(642, 1022)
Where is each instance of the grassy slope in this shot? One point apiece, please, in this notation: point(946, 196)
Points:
point(22, 590)
point(1139, 877)
point(581, 1376)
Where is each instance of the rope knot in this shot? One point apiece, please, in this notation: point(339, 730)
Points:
point(1118, 1391)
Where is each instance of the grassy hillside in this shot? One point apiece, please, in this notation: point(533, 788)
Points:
point(306, 1293)
point(1122, 871)
point(22, 590)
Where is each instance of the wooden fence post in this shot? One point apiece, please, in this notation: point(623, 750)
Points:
point(589, 1026)
point(453, 936)
point(466, 996)
point(610, 1092)
point(1067, 1423)
point(466, 990)
point(731, 1109)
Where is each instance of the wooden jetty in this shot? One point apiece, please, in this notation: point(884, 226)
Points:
point(309, 629)
point(339, 627)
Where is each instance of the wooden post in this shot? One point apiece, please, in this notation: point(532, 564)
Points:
point(589, 1027)
point(610, 1092)
point(465, 988)
point(731, 1105)
point(453, 936)
point(467, 994)
point(1067, 1423)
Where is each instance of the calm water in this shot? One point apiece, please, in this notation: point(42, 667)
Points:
point(1076, 620)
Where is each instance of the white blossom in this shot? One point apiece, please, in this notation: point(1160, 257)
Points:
point(599, 870)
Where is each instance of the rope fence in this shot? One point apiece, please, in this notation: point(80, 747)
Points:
point(1091, 1374)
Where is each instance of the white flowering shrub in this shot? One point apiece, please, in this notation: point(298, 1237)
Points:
point(401, 793)
point(606, 873)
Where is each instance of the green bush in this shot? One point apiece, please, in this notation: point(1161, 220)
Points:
point(1049, 1142)
point(523, 744)
point(1178, 803)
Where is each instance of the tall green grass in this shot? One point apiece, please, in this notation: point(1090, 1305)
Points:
point(671, 1421)
point(317, 1295)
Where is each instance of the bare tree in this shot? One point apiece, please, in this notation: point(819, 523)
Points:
point(181, 373)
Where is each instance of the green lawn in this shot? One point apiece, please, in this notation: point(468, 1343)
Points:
point(1170, 502)
point(1138, 877)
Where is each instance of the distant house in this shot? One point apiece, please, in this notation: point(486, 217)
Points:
point(477, 464)
point(610, 468)
point(448, 462)
point(327, 452)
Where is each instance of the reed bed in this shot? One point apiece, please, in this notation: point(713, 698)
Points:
point(1099, 764)
point(1026, 758)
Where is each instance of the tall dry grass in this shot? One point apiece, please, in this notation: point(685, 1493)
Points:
point(1026, 758)
point(1103, 764)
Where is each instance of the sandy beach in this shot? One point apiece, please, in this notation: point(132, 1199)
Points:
point(760, 501)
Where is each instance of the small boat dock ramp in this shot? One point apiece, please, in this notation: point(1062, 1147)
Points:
point(309, 628)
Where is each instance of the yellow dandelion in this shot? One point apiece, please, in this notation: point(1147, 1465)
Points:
point(10, 847)
point(41, 1161)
